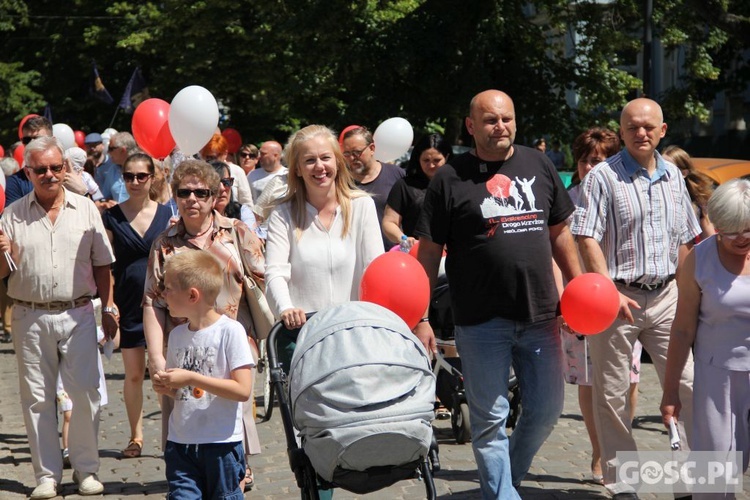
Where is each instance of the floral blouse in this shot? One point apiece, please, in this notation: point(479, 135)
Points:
point(222, 245)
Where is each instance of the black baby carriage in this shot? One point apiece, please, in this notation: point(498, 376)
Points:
point(360, 397)
point(447, 368)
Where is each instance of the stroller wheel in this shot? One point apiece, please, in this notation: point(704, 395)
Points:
point(460, 423)
point(265, 371)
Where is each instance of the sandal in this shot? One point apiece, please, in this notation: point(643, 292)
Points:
point(249, 479)
point(134, 448)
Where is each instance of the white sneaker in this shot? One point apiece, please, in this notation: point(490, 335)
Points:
point(46, 489)
point(88, 483)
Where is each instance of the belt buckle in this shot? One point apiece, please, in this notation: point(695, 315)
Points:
point(651, 287)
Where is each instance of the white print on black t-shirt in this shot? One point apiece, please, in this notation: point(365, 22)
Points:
point(509, 213)
point(196, 359)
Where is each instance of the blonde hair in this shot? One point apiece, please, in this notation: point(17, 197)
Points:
point(196, 269)
point(297, 193)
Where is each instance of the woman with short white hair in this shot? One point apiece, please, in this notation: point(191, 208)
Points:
point(713, 312)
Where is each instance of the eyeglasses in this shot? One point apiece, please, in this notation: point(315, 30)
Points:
point(355, 153)
point(56, 169)
point(248, 155)
point(200, 194)
point(734, 236)
point(227, 182)
point(112, 148)
point(141, 176)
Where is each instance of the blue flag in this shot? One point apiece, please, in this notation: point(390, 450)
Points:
point(97, 87)
point(135, 92)
point(48, 112)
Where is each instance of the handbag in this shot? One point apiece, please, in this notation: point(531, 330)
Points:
point(260, 313)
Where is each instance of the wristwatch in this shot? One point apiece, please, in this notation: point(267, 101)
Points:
point(111, 310)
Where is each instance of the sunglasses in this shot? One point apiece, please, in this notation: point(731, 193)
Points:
point(56, 169)
point(112, 148)
point(200, 194)
point(354, 153)
point(734, 236)
point(248, 155)
point(227, 182)
point(27, 140)
point(141, 176)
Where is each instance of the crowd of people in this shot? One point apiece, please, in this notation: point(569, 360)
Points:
point(304, 220)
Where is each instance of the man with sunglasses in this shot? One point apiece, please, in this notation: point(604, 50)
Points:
point(62, 258)
point(634, 224)
point(18, 185)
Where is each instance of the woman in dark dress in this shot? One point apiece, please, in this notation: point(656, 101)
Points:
point(406, 197)
point(132, 227)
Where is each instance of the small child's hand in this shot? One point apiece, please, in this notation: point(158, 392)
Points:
point(176, 378)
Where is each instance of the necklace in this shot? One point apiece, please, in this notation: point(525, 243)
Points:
point(198, 235)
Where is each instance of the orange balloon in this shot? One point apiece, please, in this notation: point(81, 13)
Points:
point(590, 303)
point(397, 282)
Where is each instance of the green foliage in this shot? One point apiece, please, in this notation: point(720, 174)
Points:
point(281, 64)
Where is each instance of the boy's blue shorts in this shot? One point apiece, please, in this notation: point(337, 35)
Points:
point(208, 471)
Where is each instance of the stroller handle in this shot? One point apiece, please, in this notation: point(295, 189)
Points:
point(278, 377)
point(277, 329)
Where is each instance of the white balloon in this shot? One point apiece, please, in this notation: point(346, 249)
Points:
point(392, 139)
point(108, 132)
point(66, 135)
point(193, 117)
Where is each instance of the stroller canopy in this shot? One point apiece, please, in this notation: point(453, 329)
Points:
point(361, 389)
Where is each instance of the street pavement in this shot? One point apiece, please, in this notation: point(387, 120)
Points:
point(560, 469)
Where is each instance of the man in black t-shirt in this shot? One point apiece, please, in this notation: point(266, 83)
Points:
point(501, 211)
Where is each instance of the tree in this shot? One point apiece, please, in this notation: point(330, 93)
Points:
point(277, 65)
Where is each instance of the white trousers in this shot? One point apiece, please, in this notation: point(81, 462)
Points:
point(48, 343)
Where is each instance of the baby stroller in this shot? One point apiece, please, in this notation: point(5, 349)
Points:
point(361, 395)
point(447, 368)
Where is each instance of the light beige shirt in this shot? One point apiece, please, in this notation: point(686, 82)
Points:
point(55, 263)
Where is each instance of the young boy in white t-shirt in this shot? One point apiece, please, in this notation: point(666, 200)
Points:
point(208, 375)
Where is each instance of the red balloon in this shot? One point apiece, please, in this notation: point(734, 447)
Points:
point(2, 151)
point(80, 138)
point(343, 132)
point(397, 282)
point(2, 199)
point(151, 128)
point(20, 125)
point(234, 139)
point(590, 303)
point(18, 154)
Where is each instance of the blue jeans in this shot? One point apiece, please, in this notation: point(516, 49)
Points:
point(487, 352)
point(208, 471)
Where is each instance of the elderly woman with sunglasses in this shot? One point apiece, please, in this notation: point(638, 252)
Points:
point(195, 186)
point(132, 226)
point(713, 317)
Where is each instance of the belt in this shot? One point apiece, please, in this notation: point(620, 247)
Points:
point(58, 305)
point(647, 286)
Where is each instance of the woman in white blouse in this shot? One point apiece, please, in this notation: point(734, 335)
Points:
point(324, 233)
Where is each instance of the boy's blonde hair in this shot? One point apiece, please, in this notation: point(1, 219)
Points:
point(196, 269)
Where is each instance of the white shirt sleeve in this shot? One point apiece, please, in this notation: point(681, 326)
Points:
point(369, 240)
point(278, 266)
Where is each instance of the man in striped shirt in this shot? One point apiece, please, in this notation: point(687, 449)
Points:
point(634, 224)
